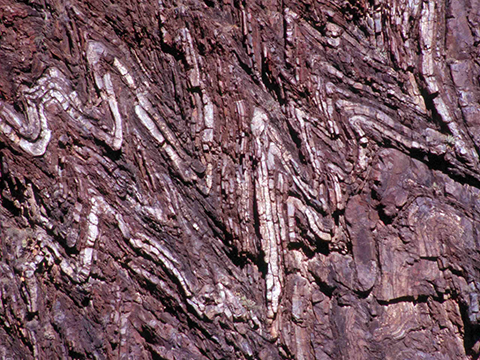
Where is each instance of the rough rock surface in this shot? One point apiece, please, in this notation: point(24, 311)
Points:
point(228, 179)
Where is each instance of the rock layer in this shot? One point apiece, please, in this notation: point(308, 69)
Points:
point(271, 180)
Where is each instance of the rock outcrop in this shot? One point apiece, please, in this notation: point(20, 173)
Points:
point(240, 180)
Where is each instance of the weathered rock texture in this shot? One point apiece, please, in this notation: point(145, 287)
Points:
point(218, 179)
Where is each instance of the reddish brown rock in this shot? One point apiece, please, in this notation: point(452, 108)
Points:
point(239, 180)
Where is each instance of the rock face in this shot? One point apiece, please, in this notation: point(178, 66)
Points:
point(240, 180)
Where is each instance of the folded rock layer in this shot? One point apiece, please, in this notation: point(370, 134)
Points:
point(239, 180)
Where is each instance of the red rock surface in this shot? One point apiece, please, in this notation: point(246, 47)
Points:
point(239, 180)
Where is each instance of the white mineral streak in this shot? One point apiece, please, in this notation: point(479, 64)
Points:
point(314, 221)
point(380, 123)
point(124, 72)
point(326, 106)
point(95, 52)
point(191, 58)
point(146, 113)
point(32, 135)
point(154, 249)
point(279, 212)
point(244, 179)
point(203, 103)
point(427, 33)
point(163, 134)
point(415, 93)
point(209, 177)
point(288, 162)
point(158, 252)
point(291, 220)
point(301, 117)
point(277, 151)
point(149, 124)
point(362, 158)
point(122, 226)
point(92, 233)
point(290, 18)
point(116, 142)
point(79, 270)
point(173, 155)
point(338, 192)
point(168, 261)
point(14, 119)
point(306, 130)
point(270, 237)
point(153, 212)
point(258, 124)
point(31, 286)
point(427, 36)
point(208, 118)
point(149, 276)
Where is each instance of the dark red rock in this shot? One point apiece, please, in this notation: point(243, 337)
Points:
point(261, 180)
